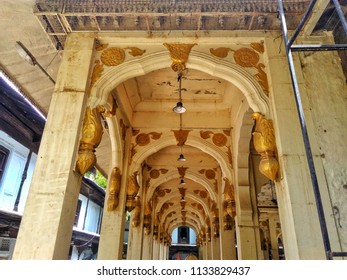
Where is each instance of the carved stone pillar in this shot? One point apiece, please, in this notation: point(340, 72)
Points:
point(54, 190)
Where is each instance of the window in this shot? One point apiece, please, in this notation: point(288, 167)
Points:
point(78, 210)
point(3, 159)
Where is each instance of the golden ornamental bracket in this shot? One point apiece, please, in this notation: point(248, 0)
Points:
point(265, 144)
point(91, 138)
point(132, 190)
point(179, 54)
point(114, 189)
point(137, 213)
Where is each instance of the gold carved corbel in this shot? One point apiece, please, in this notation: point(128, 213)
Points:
point(114, 189)
point(132, 190)
point(179, 54)
point(229, 198)
point(265, 144)
point(91, 138)
point(147, 218)
point(137, 212)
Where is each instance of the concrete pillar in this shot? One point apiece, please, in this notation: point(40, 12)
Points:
point(113, 222)
point(136, 232)
point(227, 240)
point(301, 232)
point(273, 236)
point(156, 248)
point(216, 248)
point(246, 241)
point(135, 240)
point(201, 252)
point(46, 226)
point(147, 247)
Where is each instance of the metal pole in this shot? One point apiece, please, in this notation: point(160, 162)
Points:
point(314, 180)
point(302, 22)
point(341, 15)
point(336, 47)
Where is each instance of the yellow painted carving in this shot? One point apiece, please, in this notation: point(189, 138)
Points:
point(112, 56)
point(181, 136)
point(259, 47)
point(265, 144)
point(97, 72)
point(179, 54)
point(132, 190)
point(91, 138)
point(247, 57)
point(137, 213)
point(114, 189)
point(220, 52)
point(135, 51)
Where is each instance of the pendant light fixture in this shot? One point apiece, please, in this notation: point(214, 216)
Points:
point(179, 108)
point(181, 156)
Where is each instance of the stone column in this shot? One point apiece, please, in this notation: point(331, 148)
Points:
point(147, 247)
point(246, 241)
point(156, 248)
point(46, 227)
point(301, 232)
point(216, 248)
point(228, 245)
point(113, 222)
point(273, 236)
point(135, 237)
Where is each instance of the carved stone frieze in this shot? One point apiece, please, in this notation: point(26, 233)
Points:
point(91, 138)
point(265, 144)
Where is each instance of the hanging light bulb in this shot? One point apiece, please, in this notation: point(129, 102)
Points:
point(179, 108)
point(181, 158)
point(182, 182)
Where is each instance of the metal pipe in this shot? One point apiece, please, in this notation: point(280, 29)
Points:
point(302, 22)
point(333, 47)
point(322, 222)
point(339, 254)
point(341, 15)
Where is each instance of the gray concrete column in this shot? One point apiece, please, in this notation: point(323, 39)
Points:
point(46, 227)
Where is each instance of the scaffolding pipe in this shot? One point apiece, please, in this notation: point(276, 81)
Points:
point(302, 22)
point(322, 222)
point(328, 47)
point(341, 15)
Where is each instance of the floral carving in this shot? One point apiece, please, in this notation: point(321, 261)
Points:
point(132, 190)
point(91, 138)
point(219, 139)
point(246, 57)
point(97, 72)
point(112, 56)
point(114, 189)
point(179, 54)
point(181, 136)
point(143, 139)
point(265, 144)
point(155, 173)
point(135, 51)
